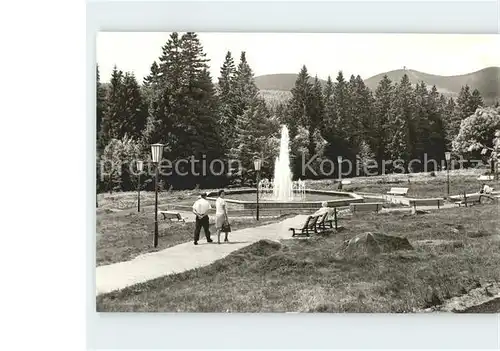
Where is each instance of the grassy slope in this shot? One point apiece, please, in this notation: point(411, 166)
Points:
point(311, 275)
point(420, 186)
point(121, 237)
point(128, 200)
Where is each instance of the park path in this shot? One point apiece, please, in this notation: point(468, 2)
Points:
point(187, 256)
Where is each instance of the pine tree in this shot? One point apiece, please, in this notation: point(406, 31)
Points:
point(365, 157)
point(363, 110)
point(437, 134)
point(100, 109)
point(300, 103)
point(256, 136)
point(476, 101)
point(449, 113)
point(328, 90)
point(153, 98)
point(168, 106)
point(100, 105)
point(463, 109)
point(205, 119)
point(227, 76)
point(341, 101)
point(126, 110)
point(183, 105)
point(336, 129)
point(115, 112)
point(196, 126)
point(329, 116)
point(401, 120)
point(419, 125)
point(135, 108)
point(316, 115)
point(353, 117)
point(244, 86)
point(384, 95)
point(227, 101)
point(281, 112)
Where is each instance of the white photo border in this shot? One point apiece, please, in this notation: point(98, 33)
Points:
point(289, 331)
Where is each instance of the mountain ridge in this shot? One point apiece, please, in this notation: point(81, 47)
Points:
point(486, 80)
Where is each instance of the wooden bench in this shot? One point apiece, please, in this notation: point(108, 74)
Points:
point(398, 191)
point(325, 221)
point(486, 177)
point(473, 199)
point(366, 207)
point(308, 227)
point(172, 215)
point(438, 201)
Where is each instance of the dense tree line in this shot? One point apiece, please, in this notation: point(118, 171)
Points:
point(397, 122)
point(178, 105)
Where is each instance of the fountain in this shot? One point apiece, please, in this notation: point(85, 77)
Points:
point(281, 193)
point(282, 182)
point(282, 188)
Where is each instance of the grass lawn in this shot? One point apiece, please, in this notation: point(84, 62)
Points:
point(455, 250)
point(421, 185)
point(126, 200)
point(123, 236)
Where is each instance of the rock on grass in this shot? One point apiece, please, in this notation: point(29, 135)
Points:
point(371, 244)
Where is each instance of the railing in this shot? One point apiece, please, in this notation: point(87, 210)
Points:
point(266, 189)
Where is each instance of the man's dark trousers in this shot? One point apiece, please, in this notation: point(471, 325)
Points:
point(202, 222)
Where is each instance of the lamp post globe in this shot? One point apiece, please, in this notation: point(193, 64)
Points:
point(156, 152)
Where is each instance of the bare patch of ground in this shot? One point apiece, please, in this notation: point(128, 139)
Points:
point(472, 301)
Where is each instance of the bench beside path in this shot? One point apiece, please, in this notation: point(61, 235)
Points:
point(186, 256)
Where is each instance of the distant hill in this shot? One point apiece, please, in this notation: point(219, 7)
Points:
point(487, 81)
point(280, 81)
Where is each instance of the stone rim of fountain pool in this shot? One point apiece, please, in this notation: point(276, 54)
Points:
point(242, 204)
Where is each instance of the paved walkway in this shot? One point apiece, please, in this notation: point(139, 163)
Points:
point(186, 256)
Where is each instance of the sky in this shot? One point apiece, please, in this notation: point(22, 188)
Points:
point(323, 54)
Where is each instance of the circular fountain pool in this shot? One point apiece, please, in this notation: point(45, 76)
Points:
point(245, 199)
point(312, 197)
point(283, 193)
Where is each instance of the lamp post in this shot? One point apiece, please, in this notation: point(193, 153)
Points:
point(339, 161)
point(447, 156)
point(257, 164)
point(140, 165)
point(156, 154)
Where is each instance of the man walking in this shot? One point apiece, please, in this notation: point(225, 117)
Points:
point(200, 209)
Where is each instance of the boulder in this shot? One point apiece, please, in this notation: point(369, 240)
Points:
point(370, 244)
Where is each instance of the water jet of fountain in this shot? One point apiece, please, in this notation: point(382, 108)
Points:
point(282, 183)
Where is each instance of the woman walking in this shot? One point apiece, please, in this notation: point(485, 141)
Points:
point(221, 219)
